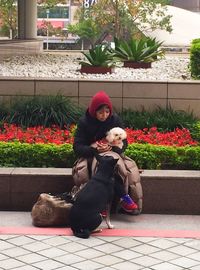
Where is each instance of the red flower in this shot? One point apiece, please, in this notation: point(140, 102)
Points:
point(179, 137)
point(40, 134)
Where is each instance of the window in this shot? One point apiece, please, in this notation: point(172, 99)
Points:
point(59, 12)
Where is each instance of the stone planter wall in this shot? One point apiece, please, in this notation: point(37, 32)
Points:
point(180, 95)
point(165, 191)
point(95, 70)
point(131, 64)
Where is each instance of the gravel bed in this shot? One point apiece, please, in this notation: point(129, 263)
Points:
point(66, 66)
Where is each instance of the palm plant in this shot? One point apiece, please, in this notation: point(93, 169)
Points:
point(99, 56)
point(164, 119)
point(43, 110)
point(143, 50)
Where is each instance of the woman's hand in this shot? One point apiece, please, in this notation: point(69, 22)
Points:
point(103, 147)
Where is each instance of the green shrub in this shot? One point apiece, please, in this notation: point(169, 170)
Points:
point(4, 112)
point(60, 110)
point(195, 59)
point(62, 156)
point(164, 157)
point(196, 40)
point(43, 110)
point(191, 158)
point(143, 50)
point(100, 56)
point(195, 131)
point(163, 119)
point(36, 155)
point(149, 156)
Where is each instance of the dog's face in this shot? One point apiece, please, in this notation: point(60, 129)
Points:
point(116, 134)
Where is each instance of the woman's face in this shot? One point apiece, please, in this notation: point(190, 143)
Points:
point(103, 113)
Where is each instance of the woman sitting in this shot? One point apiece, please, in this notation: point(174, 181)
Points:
point(90, 135)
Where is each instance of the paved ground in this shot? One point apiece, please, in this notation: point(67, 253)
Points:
point(157, 242)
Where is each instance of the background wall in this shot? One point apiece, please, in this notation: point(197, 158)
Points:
point(180, 95)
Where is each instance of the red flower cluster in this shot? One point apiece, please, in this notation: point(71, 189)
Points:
point(179, 137)
point(40, 134)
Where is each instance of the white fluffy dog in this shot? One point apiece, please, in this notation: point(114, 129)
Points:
point(115, 136)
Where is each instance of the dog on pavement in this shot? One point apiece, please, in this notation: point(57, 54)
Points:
point(85, 214)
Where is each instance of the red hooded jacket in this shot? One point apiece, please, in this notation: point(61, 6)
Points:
point(99, 99)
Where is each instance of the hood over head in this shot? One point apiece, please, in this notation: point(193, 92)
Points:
point(99, 99)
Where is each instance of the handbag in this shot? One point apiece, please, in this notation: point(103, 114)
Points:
point(53, 210)
point(50, 210)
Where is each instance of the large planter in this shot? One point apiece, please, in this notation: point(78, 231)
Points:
point(131, 64)
point(96, 69)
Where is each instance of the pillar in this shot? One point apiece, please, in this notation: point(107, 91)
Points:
point(27, 19)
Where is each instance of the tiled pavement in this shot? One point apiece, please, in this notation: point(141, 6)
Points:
point(69, 253)
point(64, 252)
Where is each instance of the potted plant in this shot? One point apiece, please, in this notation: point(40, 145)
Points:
point(136, 53)
point(99, 59)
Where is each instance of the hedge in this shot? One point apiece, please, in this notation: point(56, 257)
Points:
point(147, 156)
point(36, 155)
point(195, 59)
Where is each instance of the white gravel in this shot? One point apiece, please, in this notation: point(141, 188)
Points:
point(173, 67)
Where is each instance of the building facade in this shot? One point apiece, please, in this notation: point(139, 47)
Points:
point(192, 5)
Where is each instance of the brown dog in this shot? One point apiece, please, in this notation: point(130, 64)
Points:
point(50, 211)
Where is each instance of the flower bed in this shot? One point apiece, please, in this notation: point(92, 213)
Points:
point(39, 134)
point(13, 133)
point(179, 137)
point(52, 147)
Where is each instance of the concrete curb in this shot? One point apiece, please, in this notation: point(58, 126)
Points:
point(165, 191)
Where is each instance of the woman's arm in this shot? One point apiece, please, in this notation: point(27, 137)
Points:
point(81, 144)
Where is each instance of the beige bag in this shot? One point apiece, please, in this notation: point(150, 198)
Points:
point(50, 211)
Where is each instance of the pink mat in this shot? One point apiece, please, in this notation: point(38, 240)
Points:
point(105, 232)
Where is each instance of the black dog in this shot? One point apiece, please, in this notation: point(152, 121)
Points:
point(93, 198)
